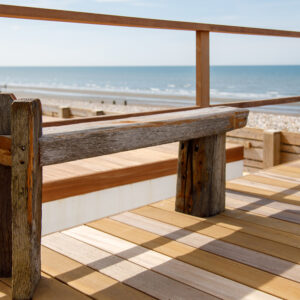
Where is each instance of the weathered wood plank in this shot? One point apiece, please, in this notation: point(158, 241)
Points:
point(6, 101)
point(271, 150)
point(290, 148)
point(243, 141)
point(26, 197)
point(253, 163)
point(66, 143)
point(290, 138)
point(247, 133)
point(201, 176)
point(287, 157)
point(254, 154)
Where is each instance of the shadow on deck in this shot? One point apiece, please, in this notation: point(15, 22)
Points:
point(251, 251)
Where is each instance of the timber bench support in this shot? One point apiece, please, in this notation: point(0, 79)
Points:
point(24, 150)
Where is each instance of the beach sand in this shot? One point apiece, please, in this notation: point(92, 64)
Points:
point(104, 101)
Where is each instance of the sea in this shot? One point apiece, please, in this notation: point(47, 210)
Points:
point(233, 83)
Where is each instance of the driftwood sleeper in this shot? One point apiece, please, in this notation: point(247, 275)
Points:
point(25, 149)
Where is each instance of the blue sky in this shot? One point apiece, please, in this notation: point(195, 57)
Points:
point(34, 43)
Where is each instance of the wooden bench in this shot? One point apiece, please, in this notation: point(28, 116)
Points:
point(25, 149)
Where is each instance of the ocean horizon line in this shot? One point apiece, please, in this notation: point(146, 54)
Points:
point(144, 66)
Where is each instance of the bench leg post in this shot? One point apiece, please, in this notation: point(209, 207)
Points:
point(201, 176)
point(5, 193)
point(26, 197)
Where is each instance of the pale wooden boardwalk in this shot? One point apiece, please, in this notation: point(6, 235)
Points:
point(251, 251)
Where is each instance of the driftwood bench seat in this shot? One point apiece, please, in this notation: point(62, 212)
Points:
point(26, 148)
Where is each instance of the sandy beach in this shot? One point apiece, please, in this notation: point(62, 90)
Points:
point(121, 102)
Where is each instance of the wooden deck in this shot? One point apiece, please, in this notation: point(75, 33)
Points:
point(251, 251)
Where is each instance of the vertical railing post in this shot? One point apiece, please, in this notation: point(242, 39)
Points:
point(202, 69)
point(6, 101)
point(26, 197)
point(201, 162)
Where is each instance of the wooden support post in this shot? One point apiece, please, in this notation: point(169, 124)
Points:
point(202, 68)
point(26, 197)
point(271, 150)
point(6, 101)
point(201, 176)
point(64, 112)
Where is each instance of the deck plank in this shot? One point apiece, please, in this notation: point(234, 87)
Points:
point(248, 223)
point(264, 210)
point(49, 288)
point(243, 255)
point(272, 182)
point(241, 273)
point(236, 237)
point(185, 273)
point(85, 279)
point(256, 191)
point(264, 202)
point(272, 187)
point(122, 270)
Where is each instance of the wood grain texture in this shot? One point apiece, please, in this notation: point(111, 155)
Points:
point(229, 235)
point(238, 220)
point(271, 150)
point(86, 280)
point(265, 211)
point(61, 144)
point(291, 138)
point(146, 219)
point(33, 13)
point(287, 157)
point(202, 69)
point(241, 273)
point(6, 101)
point(201, 176)
point(125, 271)
point(26, 197)
point(290, 148)
point(163, 264)
point(247, 133)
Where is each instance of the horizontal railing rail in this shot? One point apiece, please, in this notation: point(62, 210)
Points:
point(23, 12)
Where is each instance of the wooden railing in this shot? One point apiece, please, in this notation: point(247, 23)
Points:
point(24, 149)
point(202, 38)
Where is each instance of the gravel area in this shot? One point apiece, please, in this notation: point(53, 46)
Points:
point(274, 121)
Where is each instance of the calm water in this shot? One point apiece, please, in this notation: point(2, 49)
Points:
point(236, 82)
